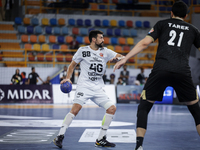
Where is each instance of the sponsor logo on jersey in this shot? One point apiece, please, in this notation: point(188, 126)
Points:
point(101, 54)
point(94, 74)
point(95, 59)
point(79, 94)
point(151, 30)
point(93, 78)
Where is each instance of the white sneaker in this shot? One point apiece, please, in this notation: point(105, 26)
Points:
point(140, 148)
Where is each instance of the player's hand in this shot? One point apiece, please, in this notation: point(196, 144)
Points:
point(119, 64)
point(65, 80)
point(116, 59)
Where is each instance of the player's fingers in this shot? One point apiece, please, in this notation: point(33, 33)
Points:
point(70, 81)
point(115, 67)
point(63, 81)
point(118, 65)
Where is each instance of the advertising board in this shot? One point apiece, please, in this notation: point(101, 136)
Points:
point(26, 94)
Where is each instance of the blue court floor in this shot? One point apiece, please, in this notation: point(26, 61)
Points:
point(33, 127)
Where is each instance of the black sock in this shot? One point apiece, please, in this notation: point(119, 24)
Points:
point(139, 142)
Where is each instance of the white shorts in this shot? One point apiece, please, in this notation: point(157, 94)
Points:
point(99, 97)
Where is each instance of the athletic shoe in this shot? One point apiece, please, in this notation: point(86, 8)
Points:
point(140, 148)
point(104, 143)
point(58, 141)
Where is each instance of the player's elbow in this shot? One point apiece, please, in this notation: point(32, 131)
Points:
point(145, 45)
point(145, 42)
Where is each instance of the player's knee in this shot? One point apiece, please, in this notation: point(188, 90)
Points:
point(142, 113)
point(75, 112)
point(75, 109)
point(144, 106)
point(195, 111)
point(111, 110)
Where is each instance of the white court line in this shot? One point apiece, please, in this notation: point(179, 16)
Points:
point(21, 117)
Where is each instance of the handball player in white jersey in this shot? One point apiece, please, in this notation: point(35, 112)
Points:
point(93, 59)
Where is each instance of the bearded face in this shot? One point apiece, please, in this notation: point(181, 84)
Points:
point(99, 45)
point(99, 40)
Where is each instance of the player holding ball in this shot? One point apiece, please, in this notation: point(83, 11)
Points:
point(93, 59)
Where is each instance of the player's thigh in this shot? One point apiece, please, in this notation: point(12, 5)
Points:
point(82, 95)
point(102, 100)
point(155, 86)
point(185, 89)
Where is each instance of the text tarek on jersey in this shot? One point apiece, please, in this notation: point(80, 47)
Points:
point(177, 26)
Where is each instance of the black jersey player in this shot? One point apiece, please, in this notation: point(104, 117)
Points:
point(171, 68)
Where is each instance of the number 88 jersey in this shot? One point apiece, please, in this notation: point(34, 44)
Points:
point(176, 38)
point(92, 65)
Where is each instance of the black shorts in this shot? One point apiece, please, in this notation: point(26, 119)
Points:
point(159, 80)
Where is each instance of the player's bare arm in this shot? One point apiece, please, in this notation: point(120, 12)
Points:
point(69, 72)
point(41, 80)
point(117, 58)
point(144, 43)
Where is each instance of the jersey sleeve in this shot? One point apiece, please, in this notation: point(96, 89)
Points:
point(110, 54)
point(78, 56)
point(155, 31)
point(197, 40)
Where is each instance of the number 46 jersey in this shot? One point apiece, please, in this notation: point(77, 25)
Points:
point(92, 65)
point(176, 38)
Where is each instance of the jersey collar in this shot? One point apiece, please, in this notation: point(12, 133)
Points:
point(100, 48)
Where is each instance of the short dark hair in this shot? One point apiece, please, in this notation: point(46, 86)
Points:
point(93, 34)
point(32, 68)
point(180, 9)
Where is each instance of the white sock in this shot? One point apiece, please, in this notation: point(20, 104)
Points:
point(67, 121)
point(105, 125)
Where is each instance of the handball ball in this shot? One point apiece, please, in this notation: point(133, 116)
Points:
point(66, 87)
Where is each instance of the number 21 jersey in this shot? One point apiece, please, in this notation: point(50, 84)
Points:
point(176, 38)
point(92, 65)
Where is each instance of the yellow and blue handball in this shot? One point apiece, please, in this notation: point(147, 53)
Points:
point(66, 87)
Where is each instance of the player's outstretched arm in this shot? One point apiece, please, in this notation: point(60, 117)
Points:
point(41, 80)
point(144, 43)
point(28, 81)
point(117, 58)
point(69, 72)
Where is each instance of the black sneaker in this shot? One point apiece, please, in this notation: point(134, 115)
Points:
point(58, 141)
point(104, 143)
